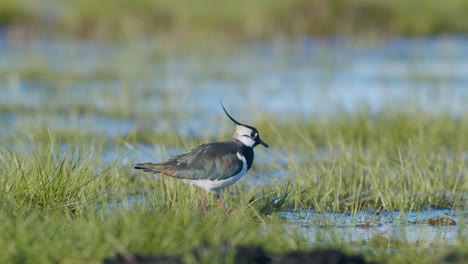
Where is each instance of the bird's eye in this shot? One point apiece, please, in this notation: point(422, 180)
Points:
point(254, 134)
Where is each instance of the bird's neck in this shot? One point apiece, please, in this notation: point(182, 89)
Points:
point(247, 152)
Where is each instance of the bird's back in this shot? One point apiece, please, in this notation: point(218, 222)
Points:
point(212, 161)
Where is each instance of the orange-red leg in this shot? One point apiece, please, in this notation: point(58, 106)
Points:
point(203, 201)
point(220, 203)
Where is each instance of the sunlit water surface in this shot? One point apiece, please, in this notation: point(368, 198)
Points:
point(42, 81)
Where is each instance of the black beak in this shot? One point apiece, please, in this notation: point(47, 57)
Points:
point(263, 143)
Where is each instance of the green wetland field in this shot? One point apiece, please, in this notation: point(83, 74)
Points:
point(368, 133)
point(376, 172)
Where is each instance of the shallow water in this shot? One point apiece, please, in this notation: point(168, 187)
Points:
point(413, 227)
point(303, 78)
point(44, 82)
point(365, 225)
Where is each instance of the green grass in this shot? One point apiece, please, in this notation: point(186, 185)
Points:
point(64, 198)
point(405, 161)
point(56, 187)
point(237, 19)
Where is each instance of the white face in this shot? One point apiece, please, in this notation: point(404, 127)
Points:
point(244, 135)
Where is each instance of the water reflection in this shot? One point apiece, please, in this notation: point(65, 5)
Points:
point(364, 225)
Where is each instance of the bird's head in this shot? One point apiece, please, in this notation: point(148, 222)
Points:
point(246, 134)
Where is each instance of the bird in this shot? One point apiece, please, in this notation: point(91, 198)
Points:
point(212, 166)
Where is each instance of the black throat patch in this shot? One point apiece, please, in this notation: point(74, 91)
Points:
point(248, 154)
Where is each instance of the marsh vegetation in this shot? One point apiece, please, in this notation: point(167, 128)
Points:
point(368, 138)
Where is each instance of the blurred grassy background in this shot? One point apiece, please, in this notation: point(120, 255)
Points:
point(237, 19)
point(76, 115)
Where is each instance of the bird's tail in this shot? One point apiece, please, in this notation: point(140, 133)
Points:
point(155, 168)
point(148, 167)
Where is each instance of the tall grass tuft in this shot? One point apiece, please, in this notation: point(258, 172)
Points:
point(52, 178)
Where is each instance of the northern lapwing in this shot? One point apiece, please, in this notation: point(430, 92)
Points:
point(212, 166)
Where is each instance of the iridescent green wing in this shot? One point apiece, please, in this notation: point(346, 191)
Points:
point(214, 161)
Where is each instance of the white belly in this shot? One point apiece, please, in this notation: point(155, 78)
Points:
point(216, 185)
